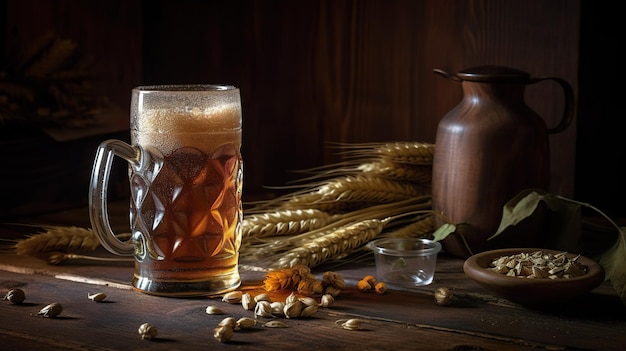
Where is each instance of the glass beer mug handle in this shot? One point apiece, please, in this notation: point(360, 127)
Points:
point(568, 94)
point(98, 209)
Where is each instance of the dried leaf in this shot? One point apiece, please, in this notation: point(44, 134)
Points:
point(519, 208)
point(443, 231)
point(564, 230)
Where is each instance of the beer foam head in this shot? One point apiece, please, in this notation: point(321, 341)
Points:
point(175, 116)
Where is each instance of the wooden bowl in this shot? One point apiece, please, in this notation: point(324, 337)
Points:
point(532, 292)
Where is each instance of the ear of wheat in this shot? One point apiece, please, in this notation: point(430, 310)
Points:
point(58, 238)
point(357, 190)
point(331, 245)
point(284, 222)
point(408, 152)
point(56, 244)
point(398, 171)
point(381, 166)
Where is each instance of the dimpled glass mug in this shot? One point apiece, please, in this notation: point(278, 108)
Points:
point(186, 173)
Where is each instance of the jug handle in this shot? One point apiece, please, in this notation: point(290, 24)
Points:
point(568, 112)
point(446, 74)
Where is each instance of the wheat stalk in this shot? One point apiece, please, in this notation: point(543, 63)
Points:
point(346, 194)
point(398, 171)
point(331, 245)
point(355, 189)
point(56, 257)
point(59, 243)
point(284, 222)
point(57, 238)
point(408, 152)
point(413, 158)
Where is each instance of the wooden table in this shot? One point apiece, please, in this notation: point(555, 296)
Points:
point(398, 320)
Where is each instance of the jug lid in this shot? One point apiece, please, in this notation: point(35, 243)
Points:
point(492, 73)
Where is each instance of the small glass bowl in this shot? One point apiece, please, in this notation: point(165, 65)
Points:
point(407, 262)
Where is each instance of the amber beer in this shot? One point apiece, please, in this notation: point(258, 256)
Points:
point(186, 185)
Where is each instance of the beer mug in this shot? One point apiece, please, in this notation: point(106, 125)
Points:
point(186, 173)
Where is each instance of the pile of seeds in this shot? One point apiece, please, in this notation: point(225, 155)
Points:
point(539, 265)
point(263, 306)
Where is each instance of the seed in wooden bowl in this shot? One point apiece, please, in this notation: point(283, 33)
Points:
point(538, 265)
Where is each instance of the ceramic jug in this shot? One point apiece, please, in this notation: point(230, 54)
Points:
point(489, 148)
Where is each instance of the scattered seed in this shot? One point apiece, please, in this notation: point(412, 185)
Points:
point(229, 322)
point(326, 300)
point(233, 297)
point(291, 298)
point(262, 297)
point(443, 296)
point(214, 310)
point(223, 333)
point(308, 311)
point(147, 331)
point(278, 308)
point(293, 309)
point(263, 309)
point(350, 324)
point(15, 296)
point(247, 302)
point(51, 311)
point(275, 324)
point(98, 297)
point(308, 301)
point(246, 323)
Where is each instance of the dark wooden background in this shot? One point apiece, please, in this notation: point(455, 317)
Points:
point(319, 71)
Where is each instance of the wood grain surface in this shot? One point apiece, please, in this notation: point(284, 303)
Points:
point(402, 319)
